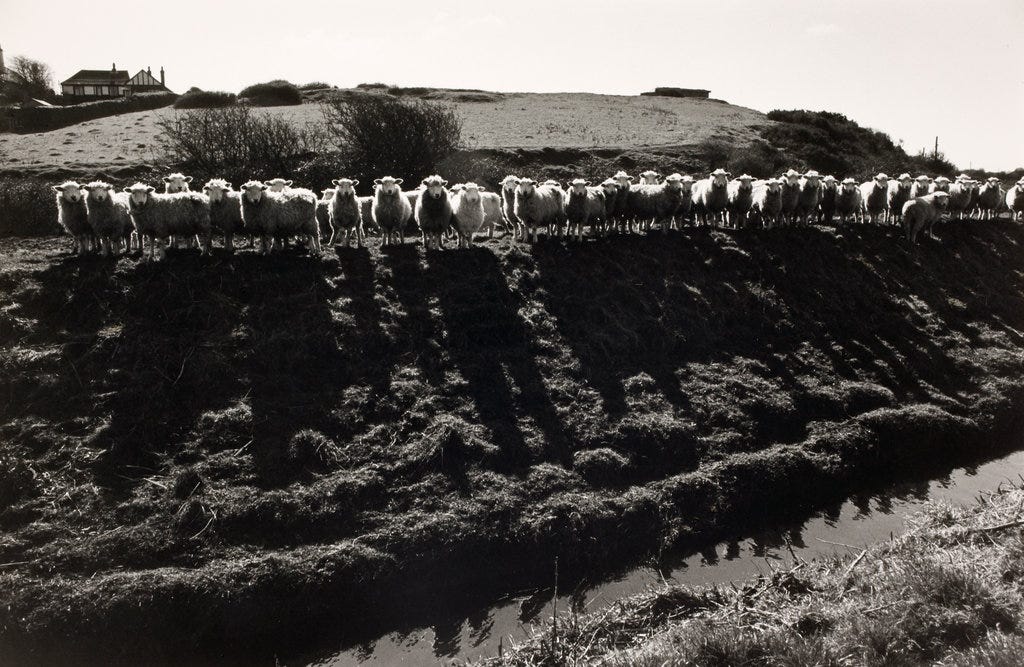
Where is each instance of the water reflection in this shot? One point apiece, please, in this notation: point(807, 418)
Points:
point(861, 520)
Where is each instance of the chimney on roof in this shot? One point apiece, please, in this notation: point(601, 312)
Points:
point(113, 67)
point(149, 70)
point(162, 75)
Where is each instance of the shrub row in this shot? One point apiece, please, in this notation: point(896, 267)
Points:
point(45, 119)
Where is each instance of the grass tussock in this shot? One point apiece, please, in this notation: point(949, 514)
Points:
point(946, 593)
point(296, 443)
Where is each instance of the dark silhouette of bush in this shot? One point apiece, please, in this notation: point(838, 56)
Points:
point(380, 135)
point(275, 93)
point(236, 143)
point(27, 207)
point(205, 99)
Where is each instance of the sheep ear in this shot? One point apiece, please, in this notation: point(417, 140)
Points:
point(355, 183)
point(481, 188)
point(128, 190)
point(443, 182)
point(398, 181)
point(150, 188)
point(228, 185)
point(206, 189)
point(376, 181)
point(587, 182)
point(57, 188)
point(288, 183)
point(630, 178)
point(335, 181)
point(188, 179)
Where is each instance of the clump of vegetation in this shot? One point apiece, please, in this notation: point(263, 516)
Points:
point(186, 484)
point(274, 93)
point(195, 98)
point(379, 134)
point(27, 207)
point(602, 466)
point(237, 143)
point(313, 450)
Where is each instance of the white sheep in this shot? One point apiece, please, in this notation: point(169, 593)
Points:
point(176, 183)
point(790, 184)
point(922, 184)
point(649, 177)
point(537, 205)
point(107, 213)
point(159, 216)
point(1015, 200)
point(277, 215)
point(656, 203)
point(898, 195)
point(619, 212)
point(390, 209)
point(827, 202)
point(922, 213)
point(323, 216)
point(961, 196)
point(939, 184)
point(433, 211)
point(710, 197)
point(874, 196)
point(345, 212)
point(73, 216)
point(508, 205)
point(767, 202)
point(468, 211)
point(990, 197)
point(611, 191)
point(584, 205)
point(848, 201)
point(740, 193)
point(225, 210)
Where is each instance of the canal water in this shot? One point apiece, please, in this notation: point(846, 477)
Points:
point(858, 521)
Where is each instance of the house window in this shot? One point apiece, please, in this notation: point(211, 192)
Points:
point(78, 90)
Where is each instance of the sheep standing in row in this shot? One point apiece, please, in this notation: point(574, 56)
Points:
point(961, 196)
point(468, 212)
point(345, 213)
point(492, 211)
point(277, 184)
point(922, 186)
point(922, 213)
point(174, 183)
point(649, 177)
point(790, 195)
point(277, 215)
point(108, 217)
point(990, 196)
point(848, 201)
point(741, 200)
point(433, 211)
point(711, 197)
point(73, 216)
point(584, 205)
point(225, 210)
point(898, 195)
point(620, 216)
point(390, 209)
point(1015, 200)
point(323, 216)
point(874, 195)
point(158, 217)
point(808, 198)
point(766, 202)
point(538, 205)
point(656, 203)
point(827, 202)
point(508, 205)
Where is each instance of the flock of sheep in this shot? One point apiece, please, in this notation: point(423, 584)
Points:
point(98, 217)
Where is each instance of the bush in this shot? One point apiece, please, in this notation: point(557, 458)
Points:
point(236, 143)
point(272, 94)
point(315, 85)
point(378, 135)
point(205, 99)
point(27, 208)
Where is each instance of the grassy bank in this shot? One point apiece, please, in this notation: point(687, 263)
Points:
point(237, 455)
point(951, 591)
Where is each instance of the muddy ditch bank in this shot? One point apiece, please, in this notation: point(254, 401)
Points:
point(228, 458)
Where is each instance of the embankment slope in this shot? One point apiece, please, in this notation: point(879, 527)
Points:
point(238, 455)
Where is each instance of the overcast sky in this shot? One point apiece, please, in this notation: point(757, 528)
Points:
point(912, 68)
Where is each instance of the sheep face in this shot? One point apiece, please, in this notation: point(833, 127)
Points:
point(674, 182)
point(388, 185)
point(216, 190)
point(277, 184)
point(327, 194)
point(98, 191)
point(70, 191)
point(525, 186)
point(828, 183)
point(609, 186)
point(435, 187)
point(509, 183)
point(578, 186)
point(992, 181)
point(941, 184)
point(881, 181)
point(649, 178)
point(905, 182)
point(720, 178)
point(941, 200)
point(139, 193)
point(623, 179)
point(253, 191)
point(177, 183)
point(745, 182)
point(791, 177)
point(345, 186)
point(471, 191)
point(922, 181)
point(849, 185)
point(773, 185)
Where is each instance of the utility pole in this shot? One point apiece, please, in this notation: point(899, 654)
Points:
point(935, 154)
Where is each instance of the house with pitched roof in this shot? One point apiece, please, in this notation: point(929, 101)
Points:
point(95, 84)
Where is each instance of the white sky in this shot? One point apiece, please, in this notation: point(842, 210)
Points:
point(911, 68)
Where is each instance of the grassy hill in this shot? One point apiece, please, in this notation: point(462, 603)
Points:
point(246, 455)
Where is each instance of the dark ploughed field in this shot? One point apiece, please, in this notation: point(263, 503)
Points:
point(242, 455)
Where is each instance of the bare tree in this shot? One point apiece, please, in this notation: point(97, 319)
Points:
point(37, 75)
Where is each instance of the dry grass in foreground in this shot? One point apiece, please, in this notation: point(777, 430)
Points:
point(948, 592)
